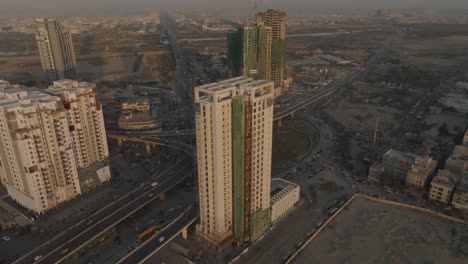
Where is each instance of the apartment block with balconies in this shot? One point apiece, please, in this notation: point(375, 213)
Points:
point(234, 122)
point(86, 124)
point(37, 158)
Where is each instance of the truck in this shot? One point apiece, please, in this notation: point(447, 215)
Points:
point(147, 232)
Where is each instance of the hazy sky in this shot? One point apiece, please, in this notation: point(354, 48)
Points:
point(43, 7)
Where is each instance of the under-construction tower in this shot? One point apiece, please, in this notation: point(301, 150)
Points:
point(258, 50)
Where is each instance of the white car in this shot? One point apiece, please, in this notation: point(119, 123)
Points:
point(5, 238)
point(38, 257)
point(154, 184)
point(161, 239)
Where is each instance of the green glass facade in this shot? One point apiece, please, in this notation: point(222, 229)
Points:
point(238, 167)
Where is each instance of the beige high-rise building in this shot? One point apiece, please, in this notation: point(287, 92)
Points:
point(86, 121)
point(55, 45)
point(36, 151)
point(234, 124)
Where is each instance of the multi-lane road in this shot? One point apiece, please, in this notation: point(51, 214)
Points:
point(160, 239)
point(62, 246)
point(183, 81)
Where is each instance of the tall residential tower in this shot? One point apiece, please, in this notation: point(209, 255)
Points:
point(234, 122)
point(36, 152)
point(55, 47)
point(86, 128)
point(276, 20)
point(86, 120)
point(258, 50)
point(52, 145)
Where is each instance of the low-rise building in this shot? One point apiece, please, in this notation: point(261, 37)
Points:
point(421, 172)
point(392, 169)
point(465, 138)
point(396, 165)
point(442, 187)
point(138, 121)
point(140, 114)
point(462, 85)
point(460, 195)
point(376, 171)
point(141, 105)
point(284, 196)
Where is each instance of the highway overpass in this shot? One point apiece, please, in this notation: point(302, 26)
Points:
point(87, 230)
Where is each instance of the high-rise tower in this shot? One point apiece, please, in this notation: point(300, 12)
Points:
point(52, 145)
point(55, 47)
point(86, 120)
point(276, 20)
point(36, 152)
point(258, 50)
point(234, 122)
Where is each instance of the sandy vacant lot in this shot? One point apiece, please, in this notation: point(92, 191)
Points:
point(372, 232)
point(97, 66)
point(361, 104)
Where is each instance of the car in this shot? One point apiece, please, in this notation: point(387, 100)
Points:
point(63, 252)
point(5, 238)
point(154, 184)
point(161, 239)
point(38, 257)
point(150, 195)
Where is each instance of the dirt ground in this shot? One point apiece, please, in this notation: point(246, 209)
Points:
point(291, 141)
point(288, 144)
point(363, 103)
point(105, 66)
point(372, 232)
point(441, 47)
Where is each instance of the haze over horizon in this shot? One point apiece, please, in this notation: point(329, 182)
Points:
point(110, 7)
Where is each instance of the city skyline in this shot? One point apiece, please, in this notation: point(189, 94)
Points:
point(68, 7)
point(353, 134)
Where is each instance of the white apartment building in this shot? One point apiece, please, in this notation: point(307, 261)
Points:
point(284, 196)
point(234, 121)
point(86, 120)
point(36, 152)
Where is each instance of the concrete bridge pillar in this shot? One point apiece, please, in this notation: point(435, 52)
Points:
point(279, 122)
point(120, 142)
point(184, 233)
point(292, 114)
point(148, 148)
